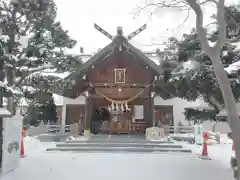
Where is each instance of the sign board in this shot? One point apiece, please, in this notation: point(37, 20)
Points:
point(198, 133)
point(138, 111)
point(155, 133)
point(120, 75)
point(12, 133)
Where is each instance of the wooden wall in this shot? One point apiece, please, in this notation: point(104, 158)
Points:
point(74, 113)
point(134, 72)
point(164, 114)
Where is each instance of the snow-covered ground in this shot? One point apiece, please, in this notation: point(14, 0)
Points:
point(33, 145)
point(39, 164)
point(217, 152)
point(117, 166)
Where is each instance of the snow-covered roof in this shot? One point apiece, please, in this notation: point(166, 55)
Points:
point(5, 113)
point(58, 100)
point(198, 104)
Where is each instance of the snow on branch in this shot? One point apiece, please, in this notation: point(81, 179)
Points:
point(6, 91)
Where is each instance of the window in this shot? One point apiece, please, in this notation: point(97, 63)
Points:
point(138, 113)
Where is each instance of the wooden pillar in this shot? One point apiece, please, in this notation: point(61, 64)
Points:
point(146, 111)
point(86, 123)
point(63, 120)
point(151, 111)
point(88, 115)
point(150, 105)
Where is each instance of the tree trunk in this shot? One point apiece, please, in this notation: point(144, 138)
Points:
point(1, 105)
point(229, 101)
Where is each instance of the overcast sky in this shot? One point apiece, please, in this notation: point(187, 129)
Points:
point(78, 17)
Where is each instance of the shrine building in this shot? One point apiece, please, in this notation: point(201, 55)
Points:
point(120, 88)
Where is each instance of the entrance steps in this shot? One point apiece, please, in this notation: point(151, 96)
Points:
point(119, 149)
point(145, 145)
point(119, 141)
point(119, 146)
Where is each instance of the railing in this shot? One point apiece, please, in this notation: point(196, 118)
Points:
point(178, 129)
point(58, 130)
point(189, 130)
point(116, 127)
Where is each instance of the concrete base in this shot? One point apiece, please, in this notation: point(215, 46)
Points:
point(87, 133)
point(204, 157)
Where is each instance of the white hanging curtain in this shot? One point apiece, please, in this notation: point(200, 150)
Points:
point(138, 112)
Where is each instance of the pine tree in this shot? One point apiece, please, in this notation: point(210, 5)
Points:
point(195, 78)
point(33, 42)
point(41, 107)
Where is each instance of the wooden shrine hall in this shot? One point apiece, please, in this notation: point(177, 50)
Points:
point(119, 84)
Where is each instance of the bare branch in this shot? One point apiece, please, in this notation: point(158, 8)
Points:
point(179, 5)
point(211, 23)
point(186, 18)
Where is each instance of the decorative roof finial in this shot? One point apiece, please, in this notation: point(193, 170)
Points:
point(119, 31)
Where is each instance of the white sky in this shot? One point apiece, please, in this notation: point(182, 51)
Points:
point(78, 17)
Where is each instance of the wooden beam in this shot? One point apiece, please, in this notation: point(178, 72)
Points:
point(139, 30)
point(96, 96)
point(124, 85)
point(103, 31)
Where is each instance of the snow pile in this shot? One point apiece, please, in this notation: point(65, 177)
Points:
point(218, 152)
point(233, 68)
point(225, 139)
point(32, 144)
point(70, 138)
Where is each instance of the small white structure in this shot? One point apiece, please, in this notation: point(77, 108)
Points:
point(12, 133)
point(155, 133)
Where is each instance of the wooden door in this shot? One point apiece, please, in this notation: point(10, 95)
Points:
point(74, 113)
point(120, 123)
point(164, 114)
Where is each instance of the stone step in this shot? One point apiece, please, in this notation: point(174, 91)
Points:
point(90, 144)
point(105, 141)
point(118, 149)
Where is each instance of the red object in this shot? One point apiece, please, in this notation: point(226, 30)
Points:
point(204, 150)
point(205, 136)
point(233, 149)
point(22, 154)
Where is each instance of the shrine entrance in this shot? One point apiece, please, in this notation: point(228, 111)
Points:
point(114, 118)
point(120, 80)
